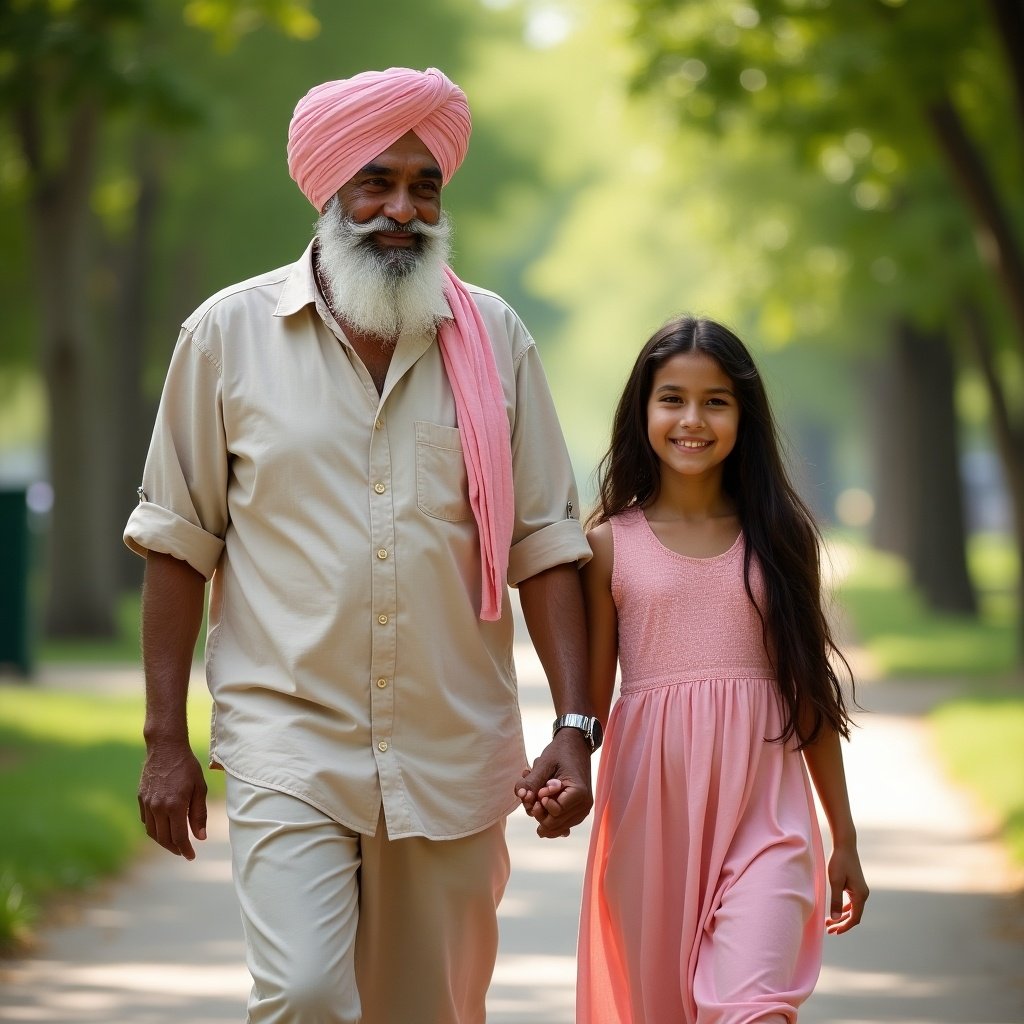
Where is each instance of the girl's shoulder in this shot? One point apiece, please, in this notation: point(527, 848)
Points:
point(600, 539)
point(599, 567)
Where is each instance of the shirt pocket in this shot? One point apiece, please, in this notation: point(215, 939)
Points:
point(442, 486)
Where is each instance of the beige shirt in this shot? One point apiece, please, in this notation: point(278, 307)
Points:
point(345, 655)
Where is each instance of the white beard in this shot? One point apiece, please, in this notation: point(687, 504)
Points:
point(383, 291)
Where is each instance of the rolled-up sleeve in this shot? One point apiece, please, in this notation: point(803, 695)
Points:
point(183, 507)
point(547, 529)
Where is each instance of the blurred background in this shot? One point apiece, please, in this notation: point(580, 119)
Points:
point(840, 183)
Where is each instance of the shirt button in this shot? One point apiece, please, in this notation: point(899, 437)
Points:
point(382, 619)
point(381, 683)
point(378, 424)
point(382, 553)
point(382, 746)
point(379, 488)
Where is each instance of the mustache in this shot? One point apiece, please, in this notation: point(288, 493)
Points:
point(382, 223)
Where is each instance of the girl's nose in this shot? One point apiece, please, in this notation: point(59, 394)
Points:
point(689, 416)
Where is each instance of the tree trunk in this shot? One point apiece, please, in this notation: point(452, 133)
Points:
point(80, 593)
point(134, 414)
point(919, 493)
point(938, 535)
point(889, 430)
point(1008, 16)
point(997, 243)
point(1009, 441)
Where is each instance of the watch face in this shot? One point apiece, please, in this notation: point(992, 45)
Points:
point(597, 734)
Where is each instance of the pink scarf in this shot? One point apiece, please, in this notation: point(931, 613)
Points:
point(338, 128)
point(486, 446)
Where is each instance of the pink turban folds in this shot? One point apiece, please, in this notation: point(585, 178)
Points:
point(339, 127)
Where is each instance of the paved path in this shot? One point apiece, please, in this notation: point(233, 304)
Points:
point(943, 940)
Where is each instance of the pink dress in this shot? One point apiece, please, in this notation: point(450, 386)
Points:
point(704, 894)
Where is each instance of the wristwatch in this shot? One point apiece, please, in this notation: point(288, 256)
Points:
point(588, 725)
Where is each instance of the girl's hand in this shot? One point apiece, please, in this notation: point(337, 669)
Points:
point(845, 879)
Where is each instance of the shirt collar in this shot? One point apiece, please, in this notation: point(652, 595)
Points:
point(300, 286)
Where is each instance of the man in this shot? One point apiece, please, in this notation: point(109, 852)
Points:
point(360, 451)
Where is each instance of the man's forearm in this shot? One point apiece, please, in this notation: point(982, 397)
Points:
point(172, 611)
point(552, 604)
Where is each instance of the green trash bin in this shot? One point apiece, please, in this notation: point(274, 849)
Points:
point(15, 646)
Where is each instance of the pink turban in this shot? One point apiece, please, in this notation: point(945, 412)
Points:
point(339, 127)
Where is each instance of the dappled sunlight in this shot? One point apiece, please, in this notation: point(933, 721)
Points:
point(842, 981)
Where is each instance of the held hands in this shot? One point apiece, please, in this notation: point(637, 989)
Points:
point(556, 790)
point(172, 798)
point(845, 877)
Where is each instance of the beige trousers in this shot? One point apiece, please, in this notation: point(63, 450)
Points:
point(342, 928)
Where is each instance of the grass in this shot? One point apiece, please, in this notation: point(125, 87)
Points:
point(69, 766)
point(982, 738)
point(980, 735)
point(907, 640)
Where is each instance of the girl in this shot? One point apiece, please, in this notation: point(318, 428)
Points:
point(704, 892)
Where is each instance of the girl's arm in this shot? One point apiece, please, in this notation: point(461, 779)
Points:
point(824, 759)
point(602, 620)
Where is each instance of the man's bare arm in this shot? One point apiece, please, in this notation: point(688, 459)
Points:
point(172, 790)
point(553, 607)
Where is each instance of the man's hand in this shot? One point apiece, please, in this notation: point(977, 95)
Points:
point(556, 790)
point(172, 798)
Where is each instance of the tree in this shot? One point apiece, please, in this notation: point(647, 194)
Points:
point(68, 68)
point(903, 104)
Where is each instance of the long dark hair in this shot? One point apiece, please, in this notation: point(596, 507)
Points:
point(780, 531)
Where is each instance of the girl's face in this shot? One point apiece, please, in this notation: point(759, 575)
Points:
point(693, 416)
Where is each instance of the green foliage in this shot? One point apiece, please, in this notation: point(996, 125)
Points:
point(982, 740)
point(68, 774)
point(839, 93)
point(228, 20)
point(58, 57)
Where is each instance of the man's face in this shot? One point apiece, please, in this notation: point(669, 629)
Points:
point(383, 243)
point(403, 184)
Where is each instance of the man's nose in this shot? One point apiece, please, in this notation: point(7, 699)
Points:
point(400, 208)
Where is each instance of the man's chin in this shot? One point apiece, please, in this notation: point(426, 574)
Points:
point(395, 261)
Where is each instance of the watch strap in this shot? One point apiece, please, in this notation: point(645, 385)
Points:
point(585, 723)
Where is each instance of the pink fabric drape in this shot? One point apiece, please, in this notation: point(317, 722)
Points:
point(486, 446)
